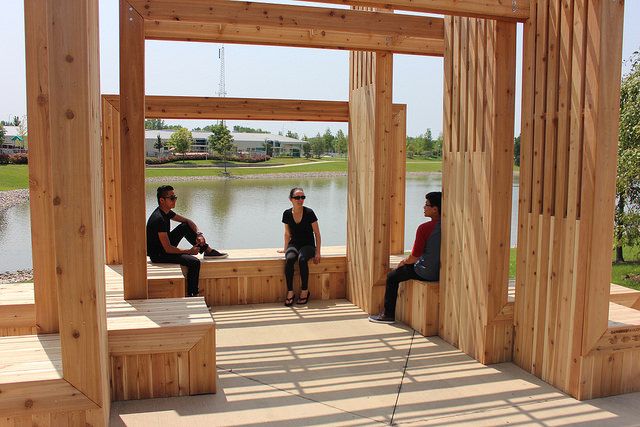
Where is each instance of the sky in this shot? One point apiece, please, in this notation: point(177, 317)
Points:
point(193, 69)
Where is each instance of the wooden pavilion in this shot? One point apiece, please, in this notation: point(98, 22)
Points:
point(556, 328)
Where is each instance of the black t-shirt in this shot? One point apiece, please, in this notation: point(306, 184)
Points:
point(302, 232)
point(158, 223)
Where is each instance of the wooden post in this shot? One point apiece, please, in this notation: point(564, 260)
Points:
point(478, 165)
point(112, 182)
point(132, 151)
point(571, 84)
point(38, 104)
point(370, 139)
point(70, 108)
point(397, 174)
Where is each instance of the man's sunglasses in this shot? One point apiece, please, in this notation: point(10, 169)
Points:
point(299, 197)
point(174, 197)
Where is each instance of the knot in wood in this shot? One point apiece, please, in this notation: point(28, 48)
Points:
point(58, 270)
point(56, 201)
point(75, 334)
point(28, 403)
point(69, 114)
point(42, 99)
point(82, 230)
point(69, 58)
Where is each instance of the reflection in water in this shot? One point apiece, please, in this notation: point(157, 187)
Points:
point(238, 213)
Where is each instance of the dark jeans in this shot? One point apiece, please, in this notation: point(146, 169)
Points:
point(400, 274)
point(192, 263)
point(303, 255)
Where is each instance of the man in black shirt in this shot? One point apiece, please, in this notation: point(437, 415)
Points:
point(162, 243)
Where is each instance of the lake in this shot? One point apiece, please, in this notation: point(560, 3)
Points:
point(244, 213)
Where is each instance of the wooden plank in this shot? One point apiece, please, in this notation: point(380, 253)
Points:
point(284, 16)
point(77, 199)
point(132, 150)
point(202, 365)
point(112, 185)
point(37, 397)
point(491, 9)
point(40, 184)
point(398, 168)
point(297, 37)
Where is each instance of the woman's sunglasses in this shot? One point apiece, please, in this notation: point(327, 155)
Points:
point(299, 197)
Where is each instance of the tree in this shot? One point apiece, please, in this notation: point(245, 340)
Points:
point(340, 143)
point(290, 134)
point(154, 124)
point(268, 148)
point(221, 142)
point(244, 129)
point(159, 145)
point(306, 149)
point(3, 133)
point(328, 140)
point(627, 218)
point(516, 150)
point(181, 141)
point(317, 145)
point(16, 121)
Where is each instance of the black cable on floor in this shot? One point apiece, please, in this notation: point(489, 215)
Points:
point(404, 370)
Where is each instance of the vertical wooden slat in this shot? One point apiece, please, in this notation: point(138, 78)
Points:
point(132, 94)
point(397, 184)
point(40, 185)
point(112, 182)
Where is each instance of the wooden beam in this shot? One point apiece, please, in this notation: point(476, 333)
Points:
point(192, 107)
point(284, 25)
point(132, 151)
point(297, 37)
point(42, 244)
point(74, 107)
point(515, 10)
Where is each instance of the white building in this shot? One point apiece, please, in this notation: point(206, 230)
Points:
point(244, 143)
point(13, 142)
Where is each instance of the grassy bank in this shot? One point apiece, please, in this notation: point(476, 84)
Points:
point(14, 177)
point(625, 274)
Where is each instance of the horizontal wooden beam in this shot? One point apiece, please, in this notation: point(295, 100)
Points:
point(515, 10)
point(192, 107)
point(224, 21)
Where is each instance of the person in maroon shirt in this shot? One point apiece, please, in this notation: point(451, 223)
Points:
point(427, 243)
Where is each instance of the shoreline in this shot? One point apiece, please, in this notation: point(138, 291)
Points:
point(10, 198)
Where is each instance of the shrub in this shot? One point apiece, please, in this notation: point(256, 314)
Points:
point(4, 159)
point(19, 159)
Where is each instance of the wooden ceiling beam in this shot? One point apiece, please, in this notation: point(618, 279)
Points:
point(514, 10)
point(193, 107)
point(224, 21)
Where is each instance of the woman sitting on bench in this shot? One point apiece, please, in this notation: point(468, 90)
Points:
point(300, 228)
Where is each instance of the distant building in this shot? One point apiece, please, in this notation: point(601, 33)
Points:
point(13, 142)
point(244, 143)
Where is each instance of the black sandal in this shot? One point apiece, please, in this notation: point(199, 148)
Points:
point(288, 302)
point(303, 301)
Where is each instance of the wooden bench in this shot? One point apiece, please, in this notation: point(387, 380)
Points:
point(157, 348)
point(624, 296)
point(254, 276)
point(17, 309)
point(418, 303)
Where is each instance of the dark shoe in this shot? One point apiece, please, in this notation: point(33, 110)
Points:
point(288, 302)
point(213, 254)
point(305, 300)
point(382, 318)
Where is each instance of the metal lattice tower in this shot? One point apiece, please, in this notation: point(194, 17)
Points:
point(222, 92)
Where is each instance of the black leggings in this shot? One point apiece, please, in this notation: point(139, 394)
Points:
point(303, 255)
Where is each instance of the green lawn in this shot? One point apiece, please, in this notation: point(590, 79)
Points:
point(13, 177)
point(16, 176)
point(626, 274)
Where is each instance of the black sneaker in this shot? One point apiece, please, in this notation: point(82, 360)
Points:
point(382, 318)
point(213, 254)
